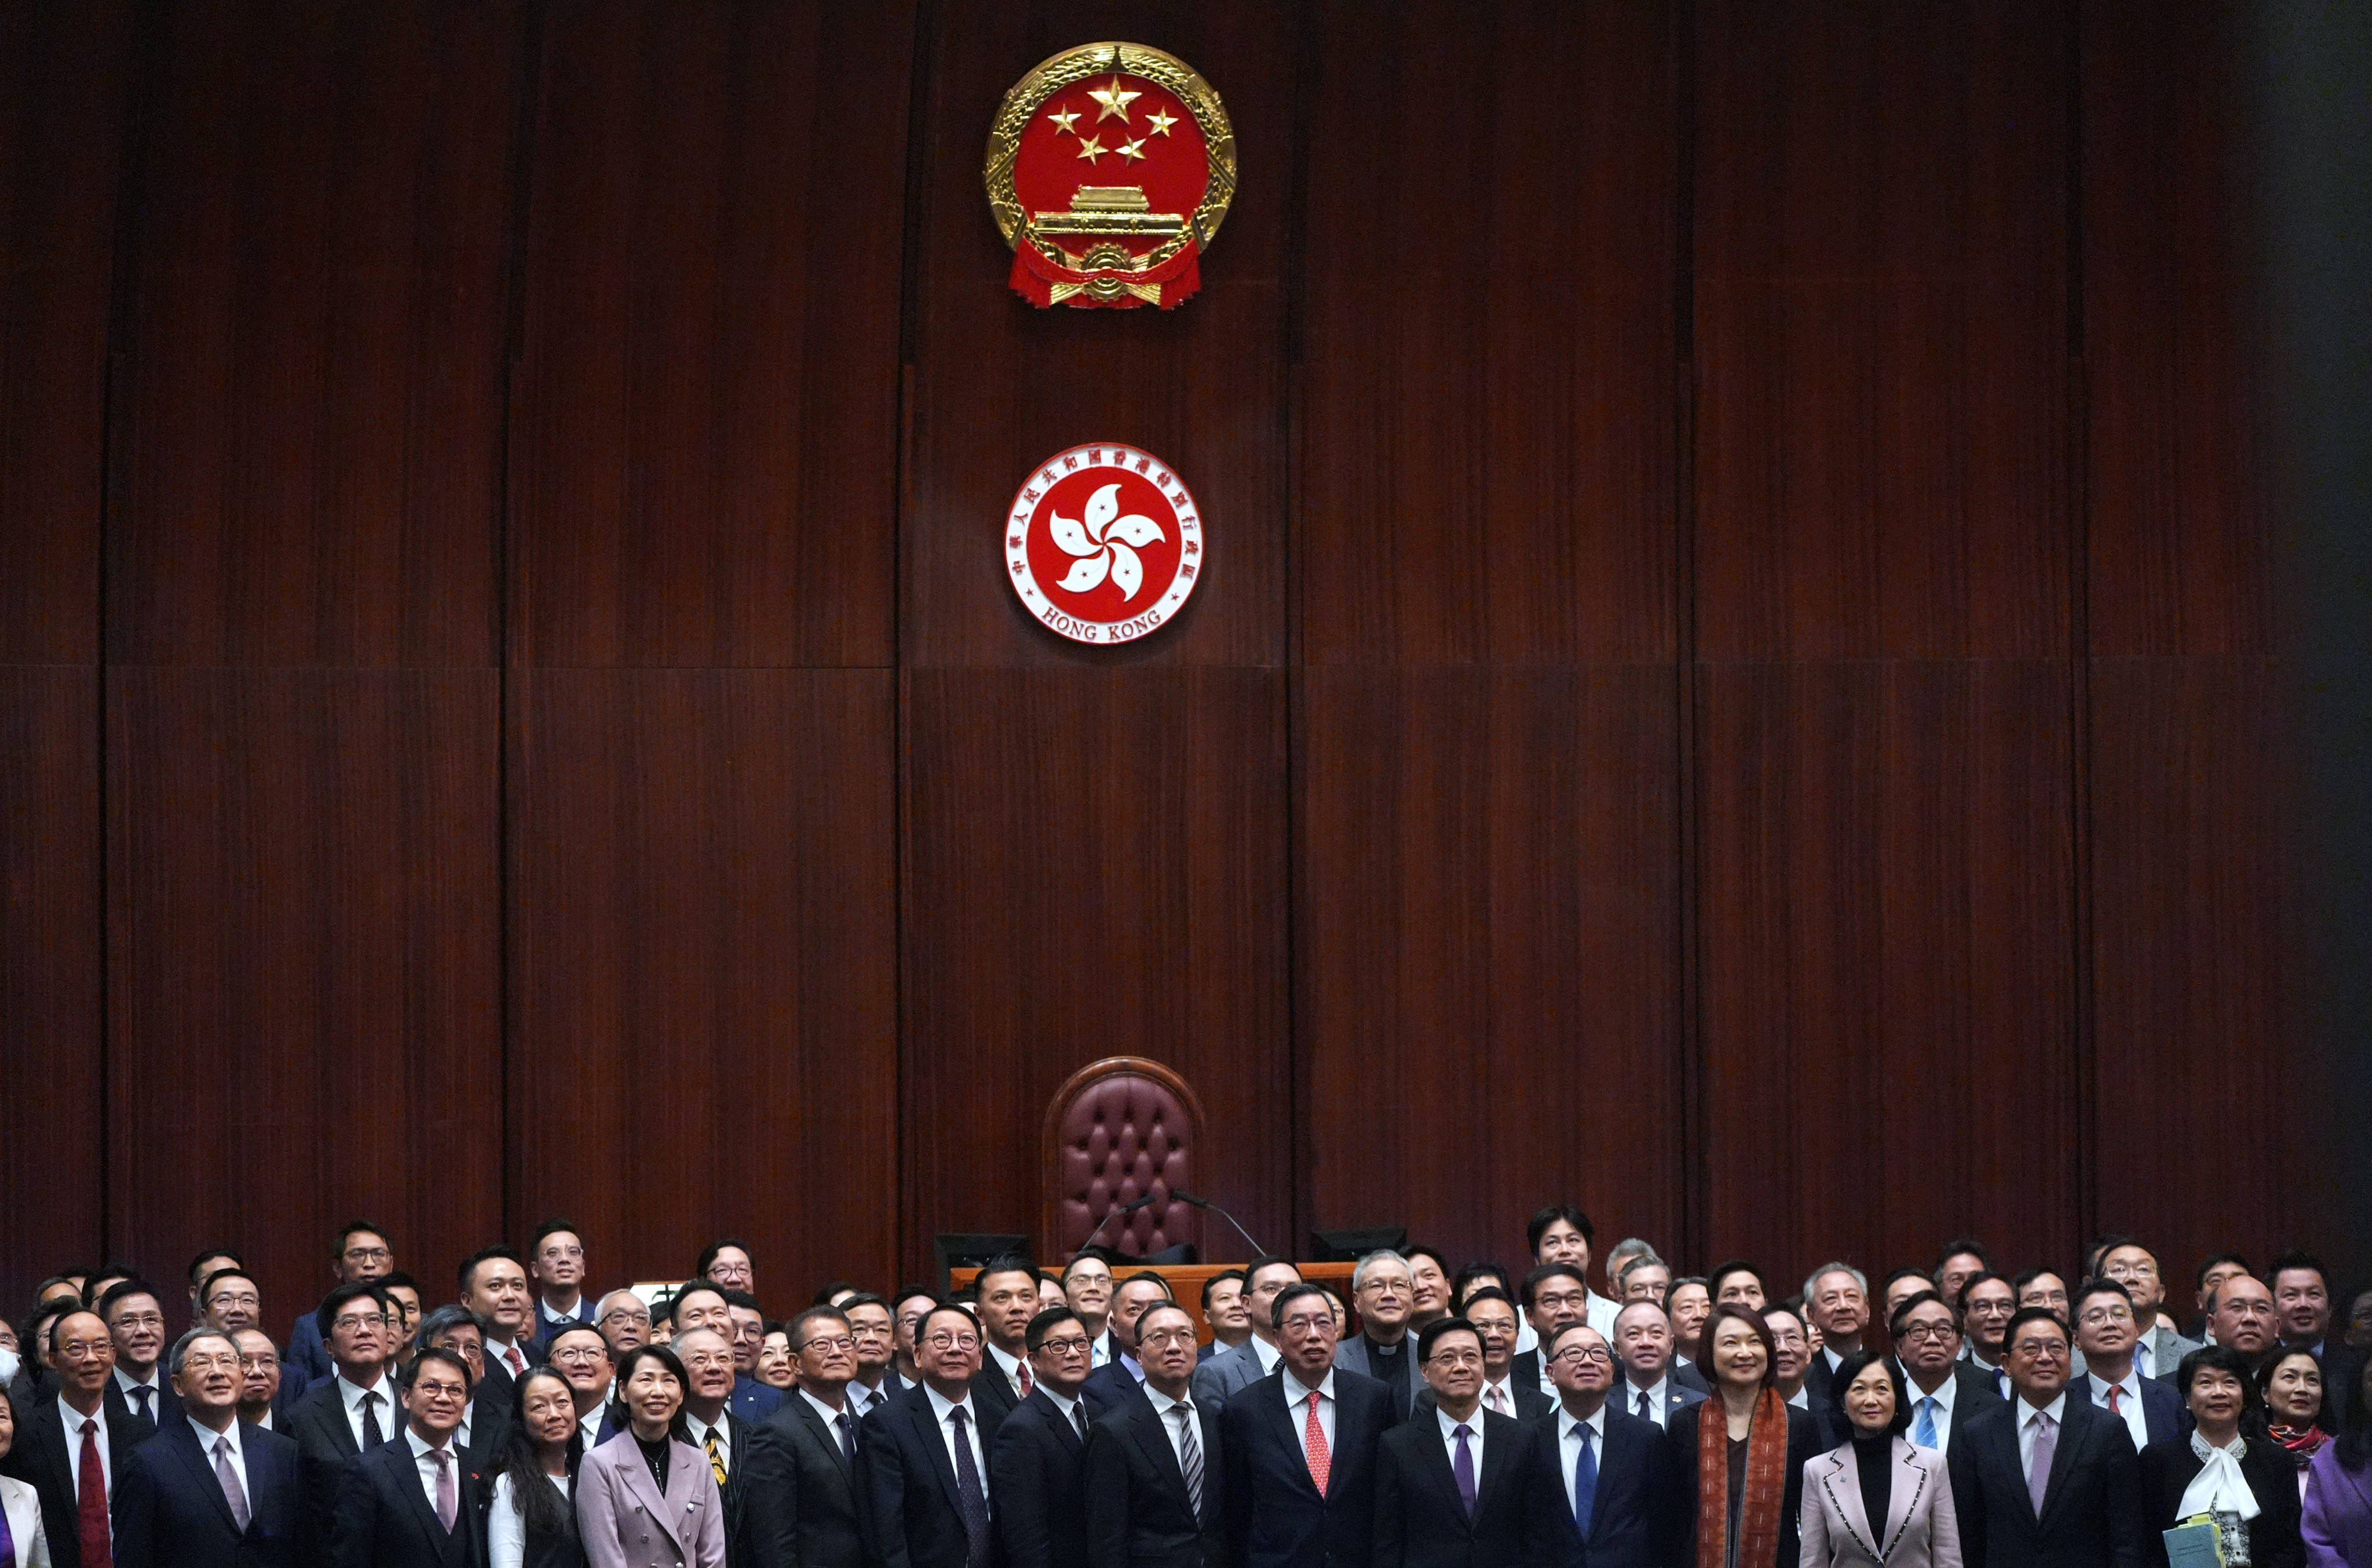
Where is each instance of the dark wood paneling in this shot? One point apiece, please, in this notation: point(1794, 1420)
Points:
point(62, 72)
point(704, 465)
point(49, 1149)
point(1882, 345)
point(998, 384)
point(1889, 991)
point(1094, 865)
point(1487, 922)
point(305, 1020)
point(1488, 419)
point(702, 968)
point(307, 424)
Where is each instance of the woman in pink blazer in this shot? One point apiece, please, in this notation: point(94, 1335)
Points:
point(643, 1499)
point(1877, 1500)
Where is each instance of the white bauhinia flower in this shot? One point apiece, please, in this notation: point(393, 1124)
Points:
point(1104, 544)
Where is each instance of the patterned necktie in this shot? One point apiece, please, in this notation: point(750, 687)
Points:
point(1189, 1455)
point(2038, 1470)
point(1023, 1368)
point(233, 1493)
point(968, 1490)
point(90, 1504)
point(1079, 1417)
point(449, 1495)
point(715, 1457)
point(373, 1436)
point(1585, 1482)
point(1313, 1439)
point(1924, 1434)
point(1463, 1468)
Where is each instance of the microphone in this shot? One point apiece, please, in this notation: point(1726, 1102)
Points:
point(1145, 1202)
point(1185, 1197)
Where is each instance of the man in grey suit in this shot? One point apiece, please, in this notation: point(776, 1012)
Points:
point(1384, 1288)
point(2135, 1266)
point(1223, 1375)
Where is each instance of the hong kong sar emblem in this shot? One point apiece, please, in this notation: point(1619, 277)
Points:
point(1103, 544)
point(1110, 170)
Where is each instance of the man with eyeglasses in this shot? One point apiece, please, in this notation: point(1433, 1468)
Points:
point(2047, 1482)
point(1384, 1288)
point(135, 1313)
point(1946, 1392)
point(209, 1489)
point(582, 1358)
point(1988, 1304)
point(1606, 1460)
point(555, 1263)
point(354, 1411)
point(748, 1459)
point(1493, 1313)
point(816, 1428)
point(1218, 1379)
point(260, 1379)
point(1088, 1291)
point(623, 1320)
point(1300, 1448)
point(2135, 1266)
point(2106, 1332)
point(378, 1520)
point(1152, 1464)
point(1651, 1391)
point(403, 1314)
point(875, 1384)
point(936, 1429)
point(1555, 1296)
point(71, 1449)
point(1120, 1377)
point(360, 1255)
point(1495, 1508)
point(1035, 1465)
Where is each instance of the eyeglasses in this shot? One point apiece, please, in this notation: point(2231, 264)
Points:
point(1553, 1300)
point(428, 1391)
point(1914, 1331)
point(201, 1361)
point(2050, 1350)
point(1581, 1356)
point(1456, 1358)
point(138, 1320)
point(2097, 1315)
point(828, 1341)
point(369, 1255)
point(944, 1341)
point(258, 1363)
point(1178, 1335)
point(350, 1322)
point(1304, 1322)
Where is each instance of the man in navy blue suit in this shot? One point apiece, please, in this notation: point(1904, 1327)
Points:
point(1153, 1463)
point(1299, 1448)
point(412, 1502)
point(922, 1464)
point(2107, 1331)
point(360, 1254)
point(1035, 1467)
point(1604, 1460)
point(555, 1263)
point(1458, 1486)
point(211, 1491)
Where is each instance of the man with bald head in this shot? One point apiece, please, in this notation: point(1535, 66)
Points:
point(2240, 1316)
point(1650, 1389)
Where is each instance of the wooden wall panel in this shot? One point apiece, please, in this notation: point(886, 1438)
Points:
point(306, 426)
point(1887, 867)
point(1095, 865)
point(1486, 950)
point(705, 463)
point(305, 1019)
point(702, 938)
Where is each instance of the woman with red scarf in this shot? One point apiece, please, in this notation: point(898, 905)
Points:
point(2292, 1386)
point(1734, 1463)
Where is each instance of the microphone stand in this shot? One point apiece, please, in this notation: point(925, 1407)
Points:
point(1204, 1203)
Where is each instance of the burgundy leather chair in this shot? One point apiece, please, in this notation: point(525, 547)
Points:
point(1119, 1130)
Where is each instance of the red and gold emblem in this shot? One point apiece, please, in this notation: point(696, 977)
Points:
point(1103, 544)
point(1110, 170)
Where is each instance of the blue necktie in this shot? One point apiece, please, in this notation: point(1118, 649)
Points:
point(1924, 1434)
point(1585, 1484)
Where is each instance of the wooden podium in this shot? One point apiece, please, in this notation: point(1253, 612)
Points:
point(1186, 1281)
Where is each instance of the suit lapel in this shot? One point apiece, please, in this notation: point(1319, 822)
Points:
point(820, 1431)
point(403, 1467)
point(1280, 1419)
point(1911, 1476)
point(1144, 1429)
point(646, 1492)
point(1497, 1455)
point(1435, 1460)
point(2064, 1456)
point(1842, 1483)
point(191, 1452)
point(924, 1419)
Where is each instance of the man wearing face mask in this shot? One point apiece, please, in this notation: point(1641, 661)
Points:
point(210, 1491)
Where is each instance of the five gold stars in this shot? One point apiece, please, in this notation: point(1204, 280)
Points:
point(1115, 99)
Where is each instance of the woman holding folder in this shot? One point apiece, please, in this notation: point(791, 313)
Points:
point(2225, 1476)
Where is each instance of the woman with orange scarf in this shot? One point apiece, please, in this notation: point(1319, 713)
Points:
point(1735, 1464)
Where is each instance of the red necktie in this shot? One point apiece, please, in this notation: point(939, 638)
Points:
point(1024, 1364)
point(2113, 1408)
point(1313, 1436)
point(90, 1504)
point(518, 1367)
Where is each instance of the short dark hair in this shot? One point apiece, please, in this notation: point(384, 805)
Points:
point(396, 1278)
point(206, 1285)
point(940, 1305)
point(1009, 1264)
point(708, 1254)
point(1964, 1245)
point(346, 1232)
point(351, 1291)
point(742, 1301)
point(1291, 1294)
point(2299, 1259)
point(1545, 1217)
point(1152, 1307)
point(2224, 1358)
point(2027, 1276)
point(1421, 1251)
point(693, 1287)
point(123, 1290)
point(567, 1329)
point(831, 1288)
point(798, 1325)
point(1481, 1268)
point(2199, 1280)
point(1236, 1274)
point(444, 1320)
point(2090, 1288)
point(1431, 1335)
point(1736, 1266)
point(1985, 1276)
point(1033, 1338)
point(2026, 1314)
point(1894, 1320)
point(1269, 1260)
point(1144, 1274)
point(866, 1299)
point(208, 1255)
point(469, 1268)
point(552, 1227)
point(1097, 1254)
point(1541, 1275)
point(1727, 1311)
point(1486, 1292)
point(453, 1359)
point(635, 1357)
point(2104, 1245)
point(1857, 1364)
point(1904, 1274)
point(907, 1293)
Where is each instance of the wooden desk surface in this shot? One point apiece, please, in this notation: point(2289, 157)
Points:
point(1186, 1281)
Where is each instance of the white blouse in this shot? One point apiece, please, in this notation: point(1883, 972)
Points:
point(506, 1531)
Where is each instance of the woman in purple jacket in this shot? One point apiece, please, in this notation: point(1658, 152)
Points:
point(2338, 1519)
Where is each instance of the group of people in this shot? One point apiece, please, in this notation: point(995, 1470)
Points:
point(1059, 1418)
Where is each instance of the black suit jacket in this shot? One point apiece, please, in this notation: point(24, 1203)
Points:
point(381, 1517)
point(1531, 1404)
point(2169, 1466)
point(1276, 1518)
point(169, 1507)
point(1138, 1509)
point(2162, 1413)
point(991, 1388)
point(760, 1530)
point(1107, 1386)
point(326, 1449)
point(1036, 1478)
point(2092, 1513)
point(38, 1459)
point(907, 1484)
point(1680, 1483)
point(1421, 1520)
point(1626, 1507)
point(167, 1404)
point(822, 1491)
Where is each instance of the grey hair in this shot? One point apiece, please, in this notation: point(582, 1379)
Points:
point(1860, 1280)
point(1380, 1255)
point(1644, 1261)
point(181, 1351)
point(1625, 1249)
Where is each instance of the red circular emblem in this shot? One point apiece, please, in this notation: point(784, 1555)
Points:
point(1103, 544)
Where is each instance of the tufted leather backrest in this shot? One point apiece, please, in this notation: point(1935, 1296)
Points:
point(1119, 1130)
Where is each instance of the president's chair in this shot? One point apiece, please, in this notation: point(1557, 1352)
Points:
point(1119, 1129)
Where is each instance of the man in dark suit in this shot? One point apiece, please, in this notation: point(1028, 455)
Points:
point(922, 1465)
point(2047, 1482)
point(1300, 1448)
point(1384, 1290)
point(1651, 1388)
point(1493, 1313)
point(1460, 1486)
point(1120, 1377)
point(818, 1431)
point(68, 1448)
point(1836, 1302)
point(1605, 1461)
point(877, 1338)
point(493, 1285)
point(1224, 1311)
point(410, 1503)
point(555, 1263)
point(1553, 1295)
point(1946, 1393)
point(356, 1409)
point(1006, 1296)
point(2107, 1331)
point(1034, 1467)
point(750, 1460)
point(1154, 1494)
point(135, 1313)
point(1218, 1379)
point(209, 1491)
point(581, 1356)
point(360, 1255)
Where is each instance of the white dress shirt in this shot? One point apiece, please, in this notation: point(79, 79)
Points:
point(1267, 1355)
point(506, 1531)
point(1473, 1424)
point(1944, 1394)
point(1162, 1406)
point(207, 1436)
point(504, 1351)
point(423, 1461)
point(351, 1396)
point(545, 1314)
point(1802, 1398)
point(590, 1426)
point(940, 1406)
point(1505, 1390)
point(700, 1431)
point(863, 1401)
point(831, 1418)
point(1658, 1400)
point(2129, 1404)
point(76, 1421)
point(127, 1383)
point(1296, 1404)
point(1011, 1365)
point(1065, 1405)
point(1569, 1446)
point(2056, 1410)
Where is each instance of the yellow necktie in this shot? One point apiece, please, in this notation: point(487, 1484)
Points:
point(715, 1456)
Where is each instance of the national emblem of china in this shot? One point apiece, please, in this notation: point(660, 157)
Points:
point(1110, 170)
point(1103, 544)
